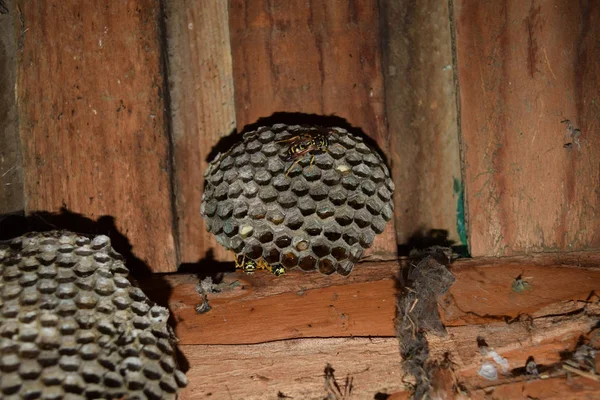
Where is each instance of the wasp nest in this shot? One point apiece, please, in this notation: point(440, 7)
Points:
point(73, 327)
point(306, 197)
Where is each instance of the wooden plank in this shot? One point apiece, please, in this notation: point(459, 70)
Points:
point(302, 305)
point(293, 368)
point(92, 121)
point(11, 164)
point(318, 58)
point(525, 69)
point(421, 109)
point(202, 111)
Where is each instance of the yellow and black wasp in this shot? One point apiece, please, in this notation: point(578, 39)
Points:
point(312, 142)
point(249, 266)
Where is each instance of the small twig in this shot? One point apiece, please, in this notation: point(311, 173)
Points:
point(585, 374)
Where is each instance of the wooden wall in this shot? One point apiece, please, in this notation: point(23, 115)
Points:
point(120, 107)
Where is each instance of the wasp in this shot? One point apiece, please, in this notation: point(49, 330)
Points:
point(314, 142)
point(250, 266)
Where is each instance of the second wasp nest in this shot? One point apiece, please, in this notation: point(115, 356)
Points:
point(303, 197)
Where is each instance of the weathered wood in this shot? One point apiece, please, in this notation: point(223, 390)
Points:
point(421, 109)
point(318, 58)
point(293, 368)
point(530, 111)
point(201, 91)
point(11, 164)
point(302, 304)
point(91, 111)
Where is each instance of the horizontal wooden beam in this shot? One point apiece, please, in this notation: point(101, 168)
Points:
point(262, 308)
point(537, 306)
point(293, 368)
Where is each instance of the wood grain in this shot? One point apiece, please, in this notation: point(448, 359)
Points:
point(262, 308)
point(202, 111)
point(293, 368)
point(421, 109)
point(311, 57)
point(532, 178)
point(92, 121)
point(11, 164)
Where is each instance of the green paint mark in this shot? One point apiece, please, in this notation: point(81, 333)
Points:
point(460, 211)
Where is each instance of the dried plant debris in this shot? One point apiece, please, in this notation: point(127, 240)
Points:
point(73, 326)
point(426, 279)
point(333, 389)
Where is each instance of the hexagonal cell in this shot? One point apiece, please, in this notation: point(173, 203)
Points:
point(311, 173)
point(320, 247)
point(313, 226)
point(324, 161)
point(327, 266)
point(287, 199)
point(289, 260)
point(216, 178)
point(242, 160)
point(350, 182)
point(344, 216)
point(384, 194)
point(253, 249)
point(377, 174)
point(246, 230)
point(362, 218)
point(345, 267)
point(338, 196)
point(262, 177)
point(240, 209)
point(216, 226)
point(300, 187)
point(332, 231)
point(356, 201)
point(237, 150)
point(355, 253)
point(251, 189)
point(271, 255)
point(307, 263)
point(331, 177)
point(307, 206)
point(353, 157)
point(366, 238)
point(390, 185)
point(266, 136)
point(246, 173)
point(283, 240)
point(263, 233)
point(351, 235)
point(227, 163)
point(362, 170)
point(235, 189)
point(275, 166)
point(230, 228)
point(225, 209)
point(368, 188)
point(387, 211)
point(268, 194)
point(318, 191)
point(336, 150)
point(236, 244)
point(253, 146)
point(294, 220)
point(339, 253)
point(275, 216)
point(378, 224)
point(281, 183)
point(371, 159)
point(257, 210)
point(230, 175)
point(374, 205)
point(258, 160)
point(325, 209)
point(346, 140)
point(209, 208)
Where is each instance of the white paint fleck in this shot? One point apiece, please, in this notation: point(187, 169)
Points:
point(191, 26)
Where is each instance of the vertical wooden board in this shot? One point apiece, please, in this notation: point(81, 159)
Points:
point(422, 119)
point(11, 164)
point(311, 57)
point(201, 84)
point(91, 110)
point(530, 110)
